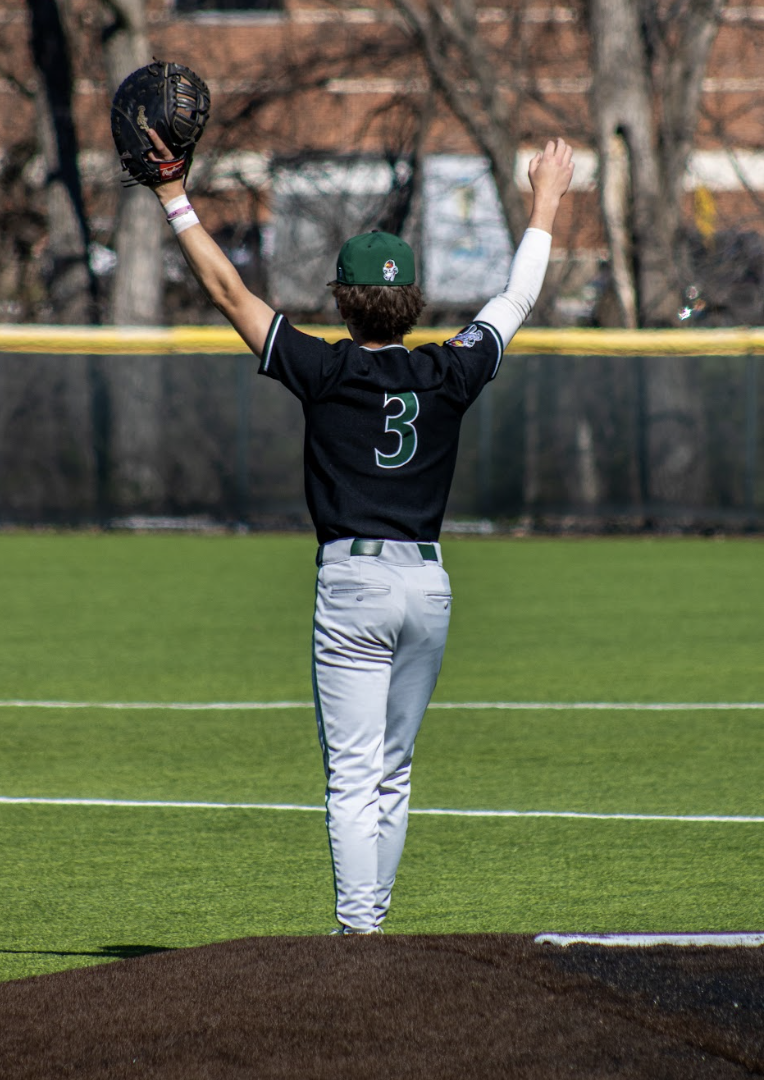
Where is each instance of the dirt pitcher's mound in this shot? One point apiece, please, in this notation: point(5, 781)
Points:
point(389, 1008)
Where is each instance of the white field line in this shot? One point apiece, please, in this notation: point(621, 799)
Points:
point(222, 706)
point(719, 941)
point(40, 800)
point(183, 706)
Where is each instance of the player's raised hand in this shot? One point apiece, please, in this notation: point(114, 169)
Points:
point(551, 170)
point(550, 173)
point(170, 188)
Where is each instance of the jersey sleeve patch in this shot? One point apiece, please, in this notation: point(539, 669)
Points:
point(479, 334)
point(467, 338)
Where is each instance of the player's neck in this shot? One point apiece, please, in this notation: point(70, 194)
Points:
point(359, 339)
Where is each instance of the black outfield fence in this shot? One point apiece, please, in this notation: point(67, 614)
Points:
point(106, 424)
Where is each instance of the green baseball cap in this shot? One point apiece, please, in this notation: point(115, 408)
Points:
point(375, 258)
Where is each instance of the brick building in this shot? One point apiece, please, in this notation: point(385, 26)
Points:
point(320, 109)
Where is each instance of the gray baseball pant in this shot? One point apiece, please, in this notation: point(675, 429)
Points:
point(381, 621)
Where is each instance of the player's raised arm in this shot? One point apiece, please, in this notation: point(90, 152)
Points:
point(250, 316)
point(171, 99)
point(550, 173)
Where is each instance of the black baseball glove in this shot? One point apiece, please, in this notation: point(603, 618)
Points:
point(175, 102)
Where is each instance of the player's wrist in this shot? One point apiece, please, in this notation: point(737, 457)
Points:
point(180, 214)
point(544, 212)
point(169, 192)
point(547, 200)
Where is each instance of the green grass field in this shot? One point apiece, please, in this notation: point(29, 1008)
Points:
point(162, 619)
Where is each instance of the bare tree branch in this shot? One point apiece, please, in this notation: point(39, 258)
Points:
point(446, 38)
point(684, 61)
point(27, 92)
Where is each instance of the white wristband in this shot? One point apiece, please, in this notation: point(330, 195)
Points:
point(180, 214)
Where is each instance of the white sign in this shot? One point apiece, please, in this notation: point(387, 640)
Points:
point(466, 247)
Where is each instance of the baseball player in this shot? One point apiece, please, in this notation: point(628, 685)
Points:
point(381, 432)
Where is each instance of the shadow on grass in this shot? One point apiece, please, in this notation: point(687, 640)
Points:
point(105, 952)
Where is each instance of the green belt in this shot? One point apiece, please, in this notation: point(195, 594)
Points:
point(367, 547)
point(374, 548)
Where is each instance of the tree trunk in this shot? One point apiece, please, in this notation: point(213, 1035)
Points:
point(71, 285)
point(137, 290)
point(623, 108)
point(56, 474)
point(135, 383)
point(647, 82)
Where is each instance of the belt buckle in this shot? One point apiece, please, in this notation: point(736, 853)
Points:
point(366, 547)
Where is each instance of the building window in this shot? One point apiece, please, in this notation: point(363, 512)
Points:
point(237, 7)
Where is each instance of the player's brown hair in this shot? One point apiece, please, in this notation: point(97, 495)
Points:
point(380, 312)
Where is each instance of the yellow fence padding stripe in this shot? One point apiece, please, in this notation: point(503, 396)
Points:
point(222, 340)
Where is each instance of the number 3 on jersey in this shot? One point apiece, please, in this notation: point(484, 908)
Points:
point(400, 424)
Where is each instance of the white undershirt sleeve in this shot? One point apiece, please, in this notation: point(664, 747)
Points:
point(508, 311)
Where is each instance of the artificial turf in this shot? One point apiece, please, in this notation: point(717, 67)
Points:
point(110, 618)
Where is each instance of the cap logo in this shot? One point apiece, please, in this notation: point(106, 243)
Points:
point(389, 270)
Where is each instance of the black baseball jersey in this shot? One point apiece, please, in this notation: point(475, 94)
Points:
point(381, 425)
